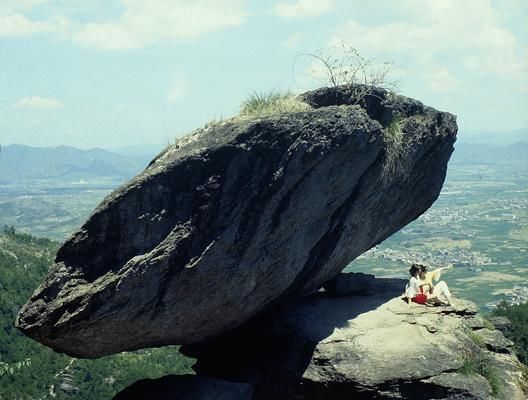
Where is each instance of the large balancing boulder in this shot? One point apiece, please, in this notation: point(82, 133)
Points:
point(238, 217)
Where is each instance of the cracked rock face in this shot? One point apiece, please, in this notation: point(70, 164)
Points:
point(237, 218)
point(362, 346)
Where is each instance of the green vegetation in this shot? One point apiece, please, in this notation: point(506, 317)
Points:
point(10, 369)
point(394, 146)
point(29, 370)
point(518, 315)
point(476, 338)
point(523, 379)
point(490, 372)
point(265, 104)
point(488, 324)
point(271, 103)
point(476, 361)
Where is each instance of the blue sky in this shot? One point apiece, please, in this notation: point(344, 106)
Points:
point(124, 72)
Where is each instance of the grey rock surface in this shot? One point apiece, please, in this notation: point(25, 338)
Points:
point(475, 323)
point(495, 340)
point(239, 217)
point(473, 386)
point(363, 346)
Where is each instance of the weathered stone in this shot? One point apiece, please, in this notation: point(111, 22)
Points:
point(495, 340)
point(474, 323)
point(510, 376)
point(468, 386)
point(237, 218)
point(360, 343)
point(186, 387)
point(371, 346)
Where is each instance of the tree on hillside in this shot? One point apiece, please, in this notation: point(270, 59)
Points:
point(518, 315)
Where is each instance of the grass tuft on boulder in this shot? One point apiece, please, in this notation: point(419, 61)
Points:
point(271, 103)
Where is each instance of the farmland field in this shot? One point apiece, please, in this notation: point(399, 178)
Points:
point(478, 224)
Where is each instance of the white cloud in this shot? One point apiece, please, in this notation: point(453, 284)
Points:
point(432, 34)
point(13, 22)
point(440, 80)
point(19, 25)
point(144, 23)
point(292, 41)
point(178, 88)
point(302, 8)
point(10, 6)
point(141, 23)
point(38, 103)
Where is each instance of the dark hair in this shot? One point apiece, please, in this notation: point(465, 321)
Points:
point(422, 267)
point(415, 268)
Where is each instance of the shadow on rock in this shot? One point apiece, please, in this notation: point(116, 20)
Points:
point(356, 339)
point(273, 351)
point(272, 338)
point(185, 387)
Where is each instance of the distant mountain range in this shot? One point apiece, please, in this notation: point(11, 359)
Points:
point(492, 147)
point(494, 137)
point(64, 163)
point(69, 164)
point(482, 153)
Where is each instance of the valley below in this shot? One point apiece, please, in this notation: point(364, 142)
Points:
point(478, 224)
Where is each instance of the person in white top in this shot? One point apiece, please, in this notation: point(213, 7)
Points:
point(412, 290)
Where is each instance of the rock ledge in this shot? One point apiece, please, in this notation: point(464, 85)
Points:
point(362, 346)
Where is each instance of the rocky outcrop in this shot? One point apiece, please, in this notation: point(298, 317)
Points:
point(365, 346)
point(237, 218)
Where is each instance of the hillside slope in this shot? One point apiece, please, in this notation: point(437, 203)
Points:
point(24, 260)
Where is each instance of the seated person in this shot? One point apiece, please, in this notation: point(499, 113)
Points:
point(412, 290)
point(440, 289)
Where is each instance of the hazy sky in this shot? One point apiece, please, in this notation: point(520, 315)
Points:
point(95, 73)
